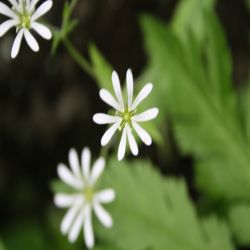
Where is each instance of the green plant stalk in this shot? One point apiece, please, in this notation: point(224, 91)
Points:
point(80, 60)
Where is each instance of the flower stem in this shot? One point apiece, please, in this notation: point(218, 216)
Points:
point(76, 55)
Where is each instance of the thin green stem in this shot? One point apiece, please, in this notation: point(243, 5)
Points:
point(76, 55)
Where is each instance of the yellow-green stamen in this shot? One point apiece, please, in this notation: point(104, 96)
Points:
point(126, 117)
point(88, 193)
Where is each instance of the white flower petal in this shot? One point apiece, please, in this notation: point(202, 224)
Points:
point(31, 40)
point(103, 216)
point(42, 30)
point(70, 216)
point(117, 89)
point(97, 170)
point(105, 196)
point(109, 134)
point(14, 3)
point(130, 86)
point(142, 133)
point(100, 118)
point(86, 158)
point(132, 143)
point(32, 4)
point(76, 227)
point(67, 177)
point(110, 100)
point(74, 163)
point(5, 26)
point(122, 145)
point(6, 11)
point(17, 43)
point(42, 9)
point(88, 230)
point(147, 115)
point(142, 95)
point(64, 200)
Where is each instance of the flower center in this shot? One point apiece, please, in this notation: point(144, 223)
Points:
point(24, 21)
point(88, 194)
point(126, 117)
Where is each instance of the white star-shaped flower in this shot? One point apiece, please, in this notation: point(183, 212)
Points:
point(126, 118)
point(85, 198)
point(24, 17)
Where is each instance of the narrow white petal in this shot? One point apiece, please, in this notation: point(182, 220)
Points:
point(32, 4)
point(105, 196)
point(67, 177)
point(64, 200)
point(42, 9)
point(76, 227)
point(132, 143)
point(88, 231)
point(42, 30)
point(142, 95)
point(147, 115)
point(86, 158)
point(103, 216)
point(17, 43)
point(130, 86)
point(97, 170)
point(109, 134)
point(6, 11)
point(105, 119)
point(70, 216)
point(5, 26)
point(31, 40)
point(142, 133)
point(14, 3)
point(117, 89)
point(74, 163)
point(122, 145)
point(110, 100)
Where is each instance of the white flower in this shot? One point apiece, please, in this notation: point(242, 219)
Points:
point(24, 17)
point(85, 198)
point(125, 119)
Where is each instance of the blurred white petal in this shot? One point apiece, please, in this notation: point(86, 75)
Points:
point(142, 133)
point(31, 41)
point(109, 134)
point(17, 43)
point(97, 170)
point(132, 143)
point(103, 216)
point(6, 11)
point(110, 100)
point(7, 25)
point(122, 145)
point(130, 86)
point(42, 30)
point(88, 231)
point(147, 115)
point(74, 163)
point(105, 196)
point(85, 159)
point(42, 9)
point(64, 200)
point(100, 118)
point(117, 89)
point(142, 95)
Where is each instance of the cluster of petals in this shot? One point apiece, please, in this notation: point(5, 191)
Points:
point(23, 15)
point(126, 118)
point(84, 199)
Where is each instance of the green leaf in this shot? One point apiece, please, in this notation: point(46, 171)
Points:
point(201, 103)
point(239, 222)
point(102, 69)
point(2, 245)
point(152, 212)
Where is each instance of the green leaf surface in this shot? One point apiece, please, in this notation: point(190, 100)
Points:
point(201, 103)
point(239, 221)
point(152, 212)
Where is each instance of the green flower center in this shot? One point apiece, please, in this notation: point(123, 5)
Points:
point(126, 117)
point(24, 21)
point(88, 194)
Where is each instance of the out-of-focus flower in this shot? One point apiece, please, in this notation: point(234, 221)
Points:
point(126, 118)
point(23, 16)
point(84, 199)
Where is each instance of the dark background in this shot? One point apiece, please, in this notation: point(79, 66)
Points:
point(47, 102)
